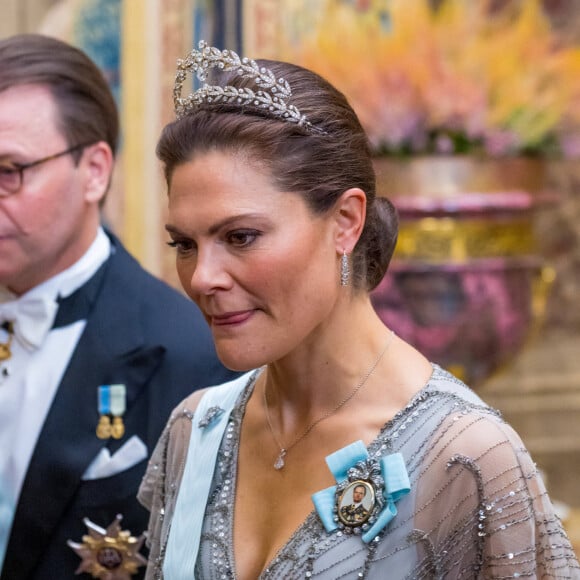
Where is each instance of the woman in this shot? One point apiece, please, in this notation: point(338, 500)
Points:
point(279, 239)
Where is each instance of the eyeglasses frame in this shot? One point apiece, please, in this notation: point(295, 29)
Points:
point(21, 167)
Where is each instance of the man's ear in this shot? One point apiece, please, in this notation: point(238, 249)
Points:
point(350, 214)
point(97, 162)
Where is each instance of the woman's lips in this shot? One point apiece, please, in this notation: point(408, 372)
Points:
point(231, 318)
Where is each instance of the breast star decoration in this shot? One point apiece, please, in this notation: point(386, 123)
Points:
point(111, 554)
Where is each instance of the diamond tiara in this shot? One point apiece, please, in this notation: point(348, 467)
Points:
point(270, 98)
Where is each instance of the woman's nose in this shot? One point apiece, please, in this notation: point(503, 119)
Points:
point(209, 273)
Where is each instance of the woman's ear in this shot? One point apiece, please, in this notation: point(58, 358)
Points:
point(97, 162)
point(350, 214)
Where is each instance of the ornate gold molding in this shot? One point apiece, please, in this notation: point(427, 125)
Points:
point(450, 239)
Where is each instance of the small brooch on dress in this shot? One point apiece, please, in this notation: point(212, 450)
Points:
point(210, 416)
point(363, 500)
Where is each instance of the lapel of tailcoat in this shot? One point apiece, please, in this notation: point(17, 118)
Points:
point(110, 350)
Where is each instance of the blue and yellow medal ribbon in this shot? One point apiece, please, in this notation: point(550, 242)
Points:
point(112, 400)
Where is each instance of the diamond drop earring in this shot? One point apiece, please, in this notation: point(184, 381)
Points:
point(344, 270)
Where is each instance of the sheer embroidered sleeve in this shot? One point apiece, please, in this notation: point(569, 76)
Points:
point(482, 509)
point(158, 490)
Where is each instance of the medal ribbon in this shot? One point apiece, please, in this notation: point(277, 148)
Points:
point(118, 400)
point(396, 486)
point(104, 399)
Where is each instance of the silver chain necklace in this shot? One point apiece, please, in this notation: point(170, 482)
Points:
point(280, 460)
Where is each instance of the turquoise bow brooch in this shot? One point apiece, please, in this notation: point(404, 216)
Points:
point(363, 499)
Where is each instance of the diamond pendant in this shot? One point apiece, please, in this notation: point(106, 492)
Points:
point(279, 463)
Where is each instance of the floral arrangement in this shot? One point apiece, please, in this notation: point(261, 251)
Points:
point(461, 78)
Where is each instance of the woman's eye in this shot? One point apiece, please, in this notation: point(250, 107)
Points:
point(242, 238)
point(182, 246)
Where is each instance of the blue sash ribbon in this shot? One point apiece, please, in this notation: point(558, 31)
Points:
point(209, 424)
point(396, 485)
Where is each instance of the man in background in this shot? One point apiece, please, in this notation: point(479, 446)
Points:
point(94, 351)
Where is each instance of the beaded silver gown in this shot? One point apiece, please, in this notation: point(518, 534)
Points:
point(477, 506)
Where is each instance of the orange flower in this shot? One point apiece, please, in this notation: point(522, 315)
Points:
point(463, 77)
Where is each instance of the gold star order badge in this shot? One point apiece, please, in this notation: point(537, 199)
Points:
point(111, 554)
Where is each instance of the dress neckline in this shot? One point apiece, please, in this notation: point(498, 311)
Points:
point(378, 446)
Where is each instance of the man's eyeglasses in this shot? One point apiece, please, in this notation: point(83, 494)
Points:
point(12, 175)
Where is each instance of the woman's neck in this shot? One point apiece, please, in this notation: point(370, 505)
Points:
point(326, 368)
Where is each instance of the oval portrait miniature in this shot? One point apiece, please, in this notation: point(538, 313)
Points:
point(356, 503)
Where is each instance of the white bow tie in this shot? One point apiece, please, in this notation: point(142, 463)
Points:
point(32, 317)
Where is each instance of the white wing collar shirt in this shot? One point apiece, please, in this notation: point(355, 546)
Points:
point(30, 377)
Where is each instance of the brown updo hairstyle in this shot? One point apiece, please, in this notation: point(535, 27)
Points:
point(319, 163)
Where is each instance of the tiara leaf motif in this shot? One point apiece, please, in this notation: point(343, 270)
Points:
point(271, 97)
